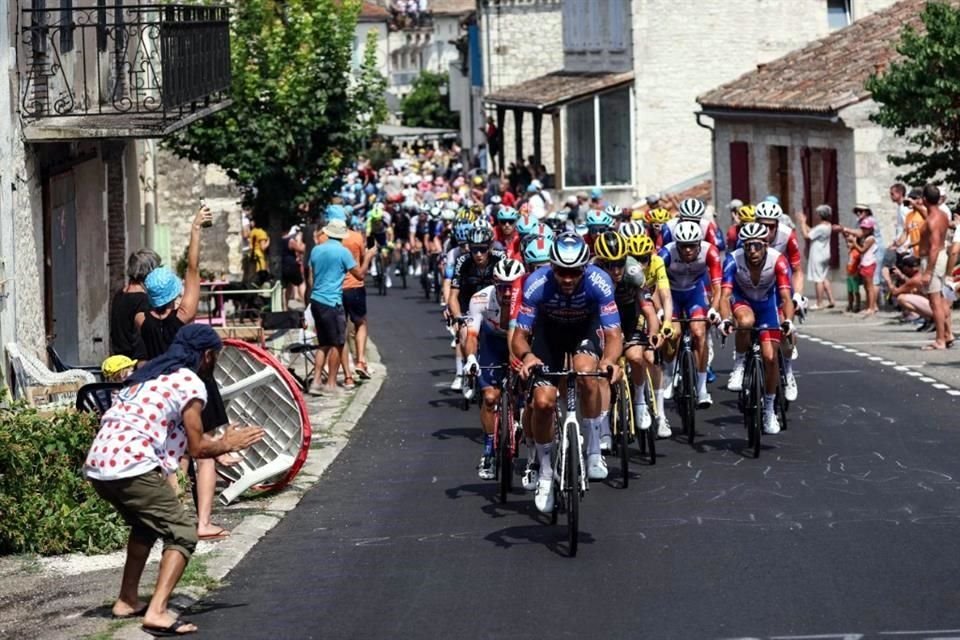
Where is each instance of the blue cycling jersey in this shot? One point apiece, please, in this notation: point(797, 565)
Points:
point(592, 297)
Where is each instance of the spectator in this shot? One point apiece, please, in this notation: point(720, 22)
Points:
point(129, 306)
point(934, 263)
point(291, 266)
point(355, 308)
point(117, 368)
point(534, 201)
point(818, 260)
point(329, 263)
point(258, 270)
point(853, 275)
point(492, 132)
point(596, 198)
point(483, 158)
point(898, 196)
point(166, 421)
point(908, 290)
point(733, 207)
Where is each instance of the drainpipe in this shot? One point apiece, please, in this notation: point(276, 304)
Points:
point(713, 152)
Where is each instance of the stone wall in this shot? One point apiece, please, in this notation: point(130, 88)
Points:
point(522, 39)
point(181, 185)
point(686, 47)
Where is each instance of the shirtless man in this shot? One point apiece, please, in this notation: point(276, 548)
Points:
point(933, 264)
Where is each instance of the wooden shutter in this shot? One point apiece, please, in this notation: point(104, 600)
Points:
point(740, 171)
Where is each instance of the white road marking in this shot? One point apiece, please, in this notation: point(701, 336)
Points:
point(941, 386)
point(826, 373)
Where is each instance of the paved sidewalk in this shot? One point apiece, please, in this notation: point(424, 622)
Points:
point(69, 597)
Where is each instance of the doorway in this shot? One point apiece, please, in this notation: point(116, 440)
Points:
point(60, 222)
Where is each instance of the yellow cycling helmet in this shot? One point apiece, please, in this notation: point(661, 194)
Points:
point(659, 216)
point(639, 246)
point(747, 213)
point(610, 246)
point(443, 195)
point(638, 216)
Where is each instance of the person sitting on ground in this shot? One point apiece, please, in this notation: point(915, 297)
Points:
point(908, 291)
point(140, 441)
point(130, 305)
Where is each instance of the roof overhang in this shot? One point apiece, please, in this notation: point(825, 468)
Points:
point(550, 91)
point(123, 125)
point(411, 134)
point(723, 113)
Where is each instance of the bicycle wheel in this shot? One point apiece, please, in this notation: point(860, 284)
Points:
point(505, 446)
point(381, 275)
point(781, 403)
point(648, 437)
point(688, 394)
point(757, 406)
point(623, 436)
point(404, 262)
point(572, 481)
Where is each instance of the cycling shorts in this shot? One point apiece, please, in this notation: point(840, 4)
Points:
point(766, 315)
point(553, 341)
point(637, 337)
point(491, 352)
point(378, 239)
point(691, 303)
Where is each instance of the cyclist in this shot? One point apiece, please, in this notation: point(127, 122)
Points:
point(486, 346)
point(632, 298)
point(693, 210)
point(656, 220)
point(688, 259)
point(471, 272)
point(567, 308)
point(505, 233)
point(402, 232)
point(744, 213)
point(656, 284)
point(380, 234)
point(753, 283)
point(597, 222)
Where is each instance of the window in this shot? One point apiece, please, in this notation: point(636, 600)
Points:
point(599, 140)
point(66, 26)
point(838, 13)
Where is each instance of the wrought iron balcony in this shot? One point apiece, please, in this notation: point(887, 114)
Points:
point(121, 71)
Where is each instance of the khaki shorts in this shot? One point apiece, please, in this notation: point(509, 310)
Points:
point(939, 272)
point(149, 505)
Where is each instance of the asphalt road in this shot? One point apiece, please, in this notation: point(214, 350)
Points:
point(847, 524)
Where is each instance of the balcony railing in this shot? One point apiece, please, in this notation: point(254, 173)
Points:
point(403, 78)
point(131, 71)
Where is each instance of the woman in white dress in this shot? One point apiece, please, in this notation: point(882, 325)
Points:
point(818, 260)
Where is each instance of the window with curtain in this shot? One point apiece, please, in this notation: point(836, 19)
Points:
point(609, 139)
point(581, 163)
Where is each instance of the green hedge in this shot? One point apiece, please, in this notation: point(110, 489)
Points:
point(46, 505)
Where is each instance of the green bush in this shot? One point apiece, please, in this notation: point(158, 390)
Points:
point(46, 505)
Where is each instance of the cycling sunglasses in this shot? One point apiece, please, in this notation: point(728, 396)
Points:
point(754, 246)
point(479, 248)
point(614, 264)
point(568, 272)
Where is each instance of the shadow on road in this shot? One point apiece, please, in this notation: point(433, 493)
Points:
point(470, 433)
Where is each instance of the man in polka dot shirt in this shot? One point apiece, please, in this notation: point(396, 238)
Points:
point(154, 421)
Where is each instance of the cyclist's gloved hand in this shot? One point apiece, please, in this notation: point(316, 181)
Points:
point(667, 330)
point(713, 316)
point(726, 327)
point(787, 327)
point(472, 367)
point(660, 315)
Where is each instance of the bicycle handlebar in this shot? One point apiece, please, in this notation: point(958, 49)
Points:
point(542, 371)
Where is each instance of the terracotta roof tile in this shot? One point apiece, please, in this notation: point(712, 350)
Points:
point(556, 88)
point(826, 75)
point(451, 7)
point(370, 12)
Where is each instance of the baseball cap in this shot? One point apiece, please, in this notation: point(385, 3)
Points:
point(115, 364)
point(772, 198)
point(596, 193)
point(868, 223)
point(735, 204)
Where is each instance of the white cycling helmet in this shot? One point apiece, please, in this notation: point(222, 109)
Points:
point(508, 270)
point(613, 211)
point(631, 229)
point(767, 210)
point(569, 250)
point(448, 214)
point(482, 223)
point(752, 231)
point(692, 208)
point(688, 232)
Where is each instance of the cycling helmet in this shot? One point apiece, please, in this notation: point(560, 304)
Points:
point(526, 226)
point(409, 204)
point(537, 251)
point(443, 195)
point(631, 229)
point(507, 214)
point(598, 219)
point(688, 232)
point(581, 229)
point(569, 250)
point(640, 246)
point(435, 212)
point(376, 213)
point(692, 208)
point(543, 231)
point(447, 215)
point(752, 231)
point(483, 223)
point(613, 211)
point(480, 235)
point(658, 216)
point(767, 210)
point(610, 246)
point(508, 270)
point(461, 231)
point(746, 213)
point(637, 215)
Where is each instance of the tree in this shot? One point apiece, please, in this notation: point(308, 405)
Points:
point(299, 110)
point(919, 97)
point(424, 106)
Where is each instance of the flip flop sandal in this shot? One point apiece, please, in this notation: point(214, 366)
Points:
point(172, 631)
point(362, 370)
point(135, 614)
point(219, 535)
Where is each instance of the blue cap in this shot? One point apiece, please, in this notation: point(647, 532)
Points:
point(335, 212)
point(596, 193)
point(773, 199)
point(163, 286)
point(531, 188)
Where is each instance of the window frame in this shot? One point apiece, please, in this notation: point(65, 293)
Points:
point(597, 114)
point(848, 11)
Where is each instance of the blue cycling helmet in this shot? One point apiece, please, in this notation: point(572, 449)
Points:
point(527, 225)
point(537, 250)
point(598, 221)
point(461, 231)
point(163, 286)
point(507, 214)
point(569, 250)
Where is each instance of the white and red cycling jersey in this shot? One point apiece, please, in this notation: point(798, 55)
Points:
point(774, 277)
point(511, 245)
point(685, 276)
point(785, 242)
